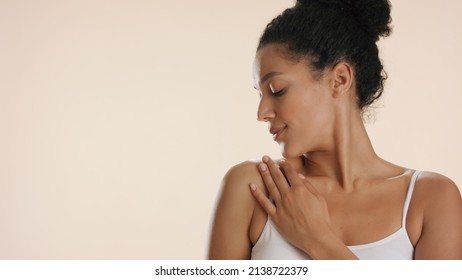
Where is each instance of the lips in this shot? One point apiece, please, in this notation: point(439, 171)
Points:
point(277, 131)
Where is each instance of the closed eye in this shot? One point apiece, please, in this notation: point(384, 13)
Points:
point(279, 93)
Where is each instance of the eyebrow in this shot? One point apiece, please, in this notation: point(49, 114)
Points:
point(268, 76)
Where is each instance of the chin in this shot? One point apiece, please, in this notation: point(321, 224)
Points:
point(290, 152)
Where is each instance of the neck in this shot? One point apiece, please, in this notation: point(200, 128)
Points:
point(349, 155)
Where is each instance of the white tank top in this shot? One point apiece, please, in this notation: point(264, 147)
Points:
point(397, 246)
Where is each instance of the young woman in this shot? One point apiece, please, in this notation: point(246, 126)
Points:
point(331, 197)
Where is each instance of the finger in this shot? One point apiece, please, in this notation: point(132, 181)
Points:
point(269, 183)
point(309, 186)
point(292, 176)
point(276, 173)
point(261, 198)
point(297, 179)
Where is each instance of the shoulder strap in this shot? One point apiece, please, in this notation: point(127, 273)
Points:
point(409, 195)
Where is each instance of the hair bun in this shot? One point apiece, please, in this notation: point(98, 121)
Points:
point(373, 16)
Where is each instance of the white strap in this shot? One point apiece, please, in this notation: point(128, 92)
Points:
point(409, 196)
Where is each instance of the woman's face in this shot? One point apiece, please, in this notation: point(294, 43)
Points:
point(294, 101)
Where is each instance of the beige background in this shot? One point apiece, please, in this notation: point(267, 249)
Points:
point(118, 119)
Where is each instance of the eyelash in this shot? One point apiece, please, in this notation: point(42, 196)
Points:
point(278, 93)
point(274, 94)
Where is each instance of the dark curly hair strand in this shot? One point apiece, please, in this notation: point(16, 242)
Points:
point(329, 31)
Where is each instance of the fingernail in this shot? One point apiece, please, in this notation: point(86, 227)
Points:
point(253, 187)
point(262, 167)
point(301, 176)
point(265, 159)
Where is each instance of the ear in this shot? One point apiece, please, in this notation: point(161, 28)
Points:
point(342, 78)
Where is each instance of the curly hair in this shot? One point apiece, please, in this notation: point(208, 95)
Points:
point(329, 31)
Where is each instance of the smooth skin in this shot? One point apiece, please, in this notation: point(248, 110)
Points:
point(331, 190)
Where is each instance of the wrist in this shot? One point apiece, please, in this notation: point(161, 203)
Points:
point(328, 247)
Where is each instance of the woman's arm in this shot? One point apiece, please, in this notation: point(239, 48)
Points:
point(233, 215)
point(441, 236)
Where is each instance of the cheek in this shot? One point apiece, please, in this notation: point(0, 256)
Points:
point(318, 108)
point(314, 120)
point(311, 115)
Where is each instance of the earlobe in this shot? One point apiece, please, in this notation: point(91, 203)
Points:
point(343, 78)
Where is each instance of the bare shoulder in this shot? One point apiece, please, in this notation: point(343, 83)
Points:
point(441, 205)
point(238, 177)
point(437, 195)
point(233, 214)
point(434, 187)
point(235, 186)
point(243, 171)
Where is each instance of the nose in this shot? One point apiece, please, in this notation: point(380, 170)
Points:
point(265, 110)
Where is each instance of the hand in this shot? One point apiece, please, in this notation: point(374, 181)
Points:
point(299, 211)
